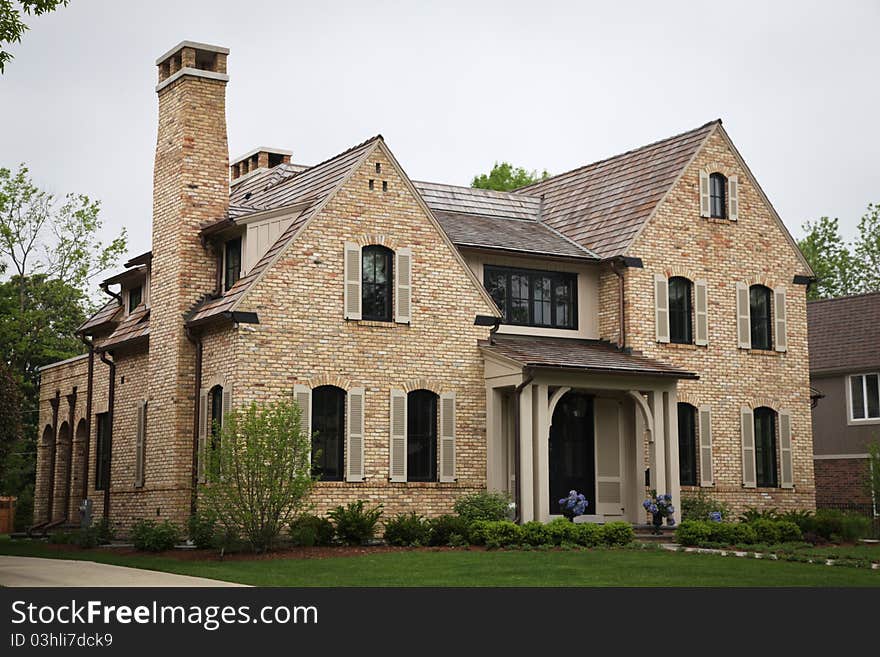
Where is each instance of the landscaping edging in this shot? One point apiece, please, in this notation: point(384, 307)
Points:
point(675, 547)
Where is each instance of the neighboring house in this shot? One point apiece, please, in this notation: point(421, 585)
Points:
point(845, 373)
point(652, 329)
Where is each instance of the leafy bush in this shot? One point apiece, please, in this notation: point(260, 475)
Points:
point(310, 531)
point(699, 506)
point(617, 533)
point(766, 530)
point(483, 506)
point(560, 531)
point(202, 526)
point(61, 538)
point(832, 524)
point(753, 513)
point(104, 531)
point(448, 530)
point(789, 532)
point(587, 534)
point(694, 532)
point(478, 531)
point(407, 529)
point(151, 536)
point(535, 533)
point(501, 533)
point(355, 525)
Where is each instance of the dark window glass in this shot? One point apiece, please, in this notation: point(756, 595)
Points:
point(533, 298)
point(681, 326)
point(216, 396)
point(421, 436)
point(376, 280)
point(858, 397)
point(765, 447)
point(872, 388)
point(328, 433)
point(687, 444)
point(102, 450)
point(717, 195)
point(135, 296)
point(865, 396)
point(760, 298)
point(233, 263)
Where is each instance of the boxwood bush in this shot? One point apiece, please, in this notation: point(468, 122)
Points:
point(617, 533)
point(407, 529)
point(151, 536)
point(483, 506)
point(448, 530)
point(355, 525)
point(311, 531)
point(762, 531)
point(587, 534)
point(560, 530)
point(502, 533)
point(535, 533)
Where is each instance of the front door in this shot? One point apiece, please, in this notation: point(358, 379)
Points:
point(572, 458)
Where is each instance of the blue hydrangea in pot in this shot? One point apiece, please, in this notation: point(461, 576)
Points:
point(660, 507)
point(573, 505)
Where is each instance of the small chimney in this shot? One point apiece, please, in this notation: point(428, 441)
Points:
point(263, 157)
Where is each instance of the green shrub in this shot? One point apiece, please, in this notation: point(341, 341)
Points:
point(695, 532)
point(478, 531)
point(310, 531)
point(61, 538)
point(448, 530)
point(151, 536)
point(355, 525)
point(407, 529)
point(560, 531)
point(587, 534)
point(201, 526)
point(855, 526)
point(699, 506)
point(789, 532)
point(104, 531)
point(617, 533)
point(766, 530)
point(741, 533)
point(483, 506)
point(753, 513)
point(535, 533)
point(501, 533)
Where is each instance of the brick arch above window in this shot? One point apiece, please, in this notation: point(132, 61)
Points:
point(378, 239)
point(329, 380)
point(768, 402)
point(216, 380)
point(424, 384)
point(680, 272)
point(693, 400)
point(760, 280)
point(718, 167)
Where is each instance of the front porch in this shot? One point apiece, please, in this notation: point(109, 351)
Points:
point(568, 414)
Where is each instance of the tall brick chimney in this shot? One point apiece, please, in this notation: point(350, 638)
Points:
point(190, 188)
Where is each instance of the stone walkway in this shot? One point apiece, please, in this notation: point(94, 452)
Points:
point(33, 571)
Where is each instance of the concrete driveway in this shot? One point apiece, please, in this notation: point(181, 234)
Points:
point(33, 571)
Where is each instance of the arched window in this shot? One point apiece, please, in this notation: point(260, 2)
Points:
point(718, 195)
point(687, 444)
point(681, 325)
point(765, 447)
point(328, 433)
point(421, 436)
point(376, 281)
point(760, 298)
point(216, 397)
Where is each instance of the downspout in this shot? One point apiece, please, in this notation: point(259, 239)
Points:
point(118, 297)
point(197, 396)
point(621, 318)
point(86, 445)
point(111, 395)
point(516, 431)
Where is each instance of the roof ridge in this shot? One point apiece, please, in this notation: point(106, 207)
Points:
point(845, 297)
point(476, 190)
point(618, 155)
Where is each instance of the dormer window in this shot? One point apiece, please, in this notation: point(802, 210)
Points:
point(232, 263)
point(718, 195)
point(135, 296)
point(528, 297)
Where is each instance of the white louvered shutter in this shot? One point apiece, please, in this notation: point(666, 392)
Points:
point(743, 317)
point(397, 456)
point(447, 437)
point(140, 443)
point(701, 312)
point(403, 293)
point(733, 198)
point(786, 464)
point(747, 422)
point(780, 320)
point(661, 307)
point(302, 394)
point(705, 209)
point(227, 402)
point(352, 284)
point(203, 435)
point(354, 465)
point(705, 418)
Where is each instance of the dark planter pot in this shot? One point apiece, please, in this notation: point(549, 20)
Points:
point(658, 522)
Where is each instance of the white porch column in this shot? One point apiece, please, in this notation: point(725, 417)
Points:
point(541, 442)
point(526, 454)
point(658, 449)
point(496, 468)
point(673, 486)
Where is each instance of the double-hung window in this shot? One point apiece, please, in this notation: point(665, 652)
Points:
point(864, 397)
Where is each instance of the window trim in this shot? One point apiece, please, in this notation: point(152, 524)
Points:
point(343, 423)
point(130, 308)
point(570, 277)
point(689, 302)
point(390, 283)
point(774, 416)
point(434, 445)
point(695, 448)
point(770, 319)
point(851, 419)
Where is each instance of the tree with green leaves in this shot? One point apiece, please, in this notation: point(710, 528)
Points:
point(12, 28)
point(505, 177)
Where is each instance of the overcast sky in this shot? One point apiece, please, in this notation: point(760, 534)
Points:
point(454, 86)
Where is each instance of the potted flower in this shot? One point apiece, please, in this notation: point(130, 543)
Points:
point(660, 507)
point(573, 505)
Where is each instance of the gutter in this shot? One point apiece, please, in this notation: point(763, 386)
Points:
point(516, 434)
point(111, 395)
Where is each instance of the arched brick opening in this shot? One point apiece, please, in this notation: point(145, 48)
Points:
point(62, 471)
point(45, 474)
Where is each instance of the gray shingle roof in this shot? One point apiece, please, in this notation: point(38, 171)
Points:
point(844, 333)
point(479, 202)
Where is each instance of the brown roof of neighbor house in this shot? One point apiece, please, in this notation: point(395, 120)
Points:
point(134, 327)
point(570, 353)
point(844, 333)
point(605, 204)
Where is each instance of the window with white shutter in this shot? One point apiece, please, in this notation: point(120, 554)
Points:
point(355, 438)
point(403, 293)
point(397, 447)
point(743, 317)
point(352, 282)
point(785, 455)
point(701, 312)
point(747, 422)
point(661, 307)
point(733, 198)
point(705, 413)
point(203, 437)
point(780, 319)
point(447, 437)
point(704, 194)
point(140, 443)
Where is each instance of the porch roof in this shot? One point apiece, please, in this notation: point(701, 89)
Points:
point(578, 354)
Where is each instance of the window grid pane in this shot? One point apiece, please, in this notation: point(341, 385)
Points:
point(533, 298)
point(872, 391)
point(376, 277)
point(759, 308)
point(687, 444)
point(857, 396)
point(765, 448)
point(680, 311)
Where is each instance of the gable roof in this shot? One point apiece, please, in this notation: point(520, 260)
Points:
point(843, 334)
point(605, 204)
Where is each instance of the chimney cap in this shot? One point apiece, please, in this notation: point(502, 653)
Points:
point(195, 45)
point(260, 149)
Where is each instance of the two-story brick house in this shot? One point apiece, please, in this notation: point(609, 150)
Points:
point(635, 323)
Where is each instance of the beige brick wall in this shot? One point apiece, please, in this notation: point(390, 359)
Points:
point(754, 249)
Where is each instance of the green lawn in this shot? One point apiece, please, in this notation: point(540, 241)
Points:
point(478, 568)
